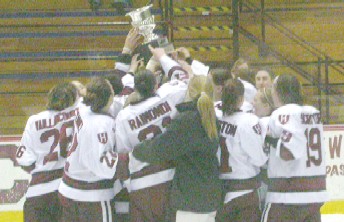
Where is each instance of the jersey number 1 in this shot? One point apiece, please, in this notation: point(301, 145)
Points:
point(224, 168)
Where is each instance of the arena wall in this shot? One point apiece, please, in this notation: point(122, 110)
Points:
point(14, 181)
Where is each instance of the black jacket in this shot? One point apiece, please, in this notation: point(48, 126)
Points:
point(196, 186)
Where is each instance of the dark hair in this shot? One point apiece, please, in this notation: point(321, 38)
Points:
point(145, 83)
point(116, 82)
point(288, 89)
point(219, 76)
point(232, 91)
point(98, 93)
point(61, 96)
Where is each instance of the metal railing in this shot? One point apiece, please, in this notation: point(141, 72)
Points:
point(324, 61)
point(274, 22)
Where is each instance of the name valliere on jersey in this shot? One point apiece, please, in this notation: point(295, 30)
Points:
point(51, 122)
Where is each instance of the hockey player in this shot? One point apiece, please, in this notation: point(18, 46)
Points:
point(296, 167)
point(86, 191)
point(242, 155)
point(263, 107)
point(191, 142)
point(141, 120)
point(41, 154)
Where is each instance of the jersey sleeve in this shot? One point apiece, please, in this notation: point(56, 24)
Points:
point(123, 144)
point(289, 131)
point(250, 91)
point(173, 69)
point(253, 141)
point(199, 68)
point(247, 107)
point(174, 90)
point(274, 126)
point(101, 159)
point(115, 107)
point(128, 81)
point(292, 138)
point(26, 155)
point(123, 63)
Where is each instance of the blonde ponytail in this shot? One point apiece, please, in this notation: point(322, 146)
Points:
point(205, 106)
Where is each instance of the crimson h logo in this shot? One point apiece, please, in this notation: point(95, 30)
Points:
point(283, 119)
point(103, 137)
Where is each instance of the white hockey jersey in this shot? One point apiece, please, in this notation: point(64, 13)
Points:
point(91, 161)
point(242, 154)
point(264, 123)
point(302, 180)
point(250, 91)
point(247, 107)
point(40, 145)
point(140, 122)
point(117, 105)
point(174, 89)
point(218, 109)
point(173, 70)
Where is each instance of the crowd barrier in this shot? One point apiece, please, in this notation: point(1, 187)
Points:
point(14, 181)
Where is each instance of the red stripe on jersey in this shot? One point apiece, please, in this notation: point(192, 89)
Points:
point(151, 169)
point(242, 184)
point(85, 185)
point(45, 176)
point(300, 184)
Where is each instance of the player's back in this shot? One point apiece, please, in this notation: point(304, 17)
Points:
point(241, 138)
point(91, 162)
point(92, 131)
point(174, 89)
point(302, 132)
point(41, 135)
point(140, 122)
point(40, 145)
point(302, 179)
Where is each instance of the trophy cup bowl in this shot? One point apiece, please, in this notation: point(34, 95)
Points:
point(139, 15)
point(147, 32)
point(144, 21)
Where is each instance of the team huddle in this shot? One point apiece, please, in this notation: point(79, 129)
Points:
point(174, 140)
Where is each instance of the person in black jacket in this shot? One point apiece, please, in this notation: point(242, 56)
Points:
point(191, 142)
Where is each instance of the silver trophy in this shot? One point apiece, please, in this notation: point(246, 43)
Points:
point(143, 20)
